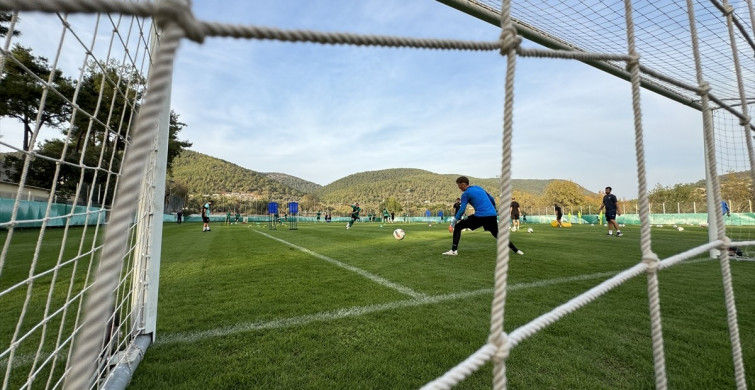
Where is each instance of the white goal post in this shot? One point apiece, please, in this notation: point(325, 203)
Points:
point(84, 311)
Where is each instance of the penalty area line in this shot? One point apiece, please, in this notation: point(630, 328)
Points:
point(190, 337)
point(373, 277)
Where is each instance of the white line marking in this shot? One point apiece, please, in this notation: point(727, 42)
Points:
point(190, 337)
point(373, 277)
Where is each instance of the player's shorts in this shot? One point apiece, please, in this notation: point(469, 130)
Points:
point(610, 216)
point(206, 219)
point(473, 222)
point(558, 217)
point(515, 216)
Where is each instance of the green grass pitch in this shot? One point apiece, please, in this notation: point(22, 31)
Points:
point(245, 307)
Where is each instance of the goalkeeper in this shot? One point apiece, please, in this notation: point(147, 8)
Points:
point(484, 214)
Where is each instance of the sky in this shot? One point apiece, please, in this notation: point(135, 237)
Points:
point(322, 113)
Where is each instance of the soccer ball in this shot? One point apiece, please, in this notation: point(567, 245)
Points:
point(530, 230)
point(399, 234)
point(681, 229)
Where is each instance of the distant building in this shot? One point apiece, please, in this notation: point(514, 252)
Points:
point(9, 190)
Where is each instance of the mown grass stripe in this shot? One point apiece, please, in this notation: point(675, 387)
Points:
point(190, 337)
point(373, 277)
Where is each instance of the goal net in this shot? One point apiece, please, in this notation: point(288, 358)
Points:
point(79, 311)
point(736, 183)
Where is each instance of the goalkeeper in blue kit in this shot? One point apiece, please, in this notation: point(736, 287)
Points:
point(484, 216)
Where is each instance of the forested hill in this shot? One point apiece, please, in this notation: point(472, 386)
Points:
point(411, 185)
point(294, 182)
point(202, 174)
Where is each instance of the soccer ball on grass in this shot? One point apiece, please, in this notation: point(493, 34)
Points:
point(399, 234)
point(530, 230)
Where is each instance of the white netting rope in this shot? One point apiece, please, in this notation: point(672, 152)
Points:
point(99, 301)
point(180, 23)
point(731, 308)
point(649, 258)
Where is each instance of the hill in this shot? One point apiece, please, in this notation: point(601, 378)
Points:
point(294, 182)
point(202, 174)
point(409, 185)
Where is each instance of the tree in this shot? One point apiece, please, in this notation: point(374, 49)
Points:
point(526, 200)
point(564, 192)
point(109, 93)
point(5, 18)
point(393, 205)
point(309, 202)
point(21, 93)
point(42, 172)
point(671, 197)
point(736, 189)
point(175, 146)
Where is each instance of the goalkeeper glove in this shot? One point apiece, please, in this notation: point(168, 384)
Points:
point(453, 221)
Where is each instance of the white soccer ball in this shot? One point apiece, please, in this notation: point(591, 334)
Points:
point(399, 234)
point(530, 230)
point(681, 229)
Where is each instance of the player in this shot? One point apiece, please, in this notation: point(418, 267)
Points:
point(612, 210)
point(354, 215)
point(559, 214)
point(484, 216)
point(514, 212)
point(206, 216)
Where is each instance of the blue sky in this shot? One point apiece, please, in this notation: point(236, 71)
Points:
point(324, 112)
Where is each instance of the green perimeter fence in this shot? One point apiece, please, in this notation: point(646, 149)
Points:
point(626, 219)
point(32, 214)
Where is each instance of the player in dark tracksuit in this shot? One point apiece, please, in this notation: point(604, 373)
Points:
point(612, 210)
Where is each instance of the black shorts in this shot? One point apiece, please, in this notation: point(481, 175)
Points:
point(473, 222)
point(205, 219)
point(515, 216)
point(558, 217)
point(610, 215)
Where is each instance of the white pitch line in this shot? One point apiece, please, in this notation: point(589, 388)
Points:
point(190, 337)
point(373, 277)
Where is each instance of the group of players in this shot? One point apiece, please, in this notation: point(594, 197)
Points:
point(485, 214)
